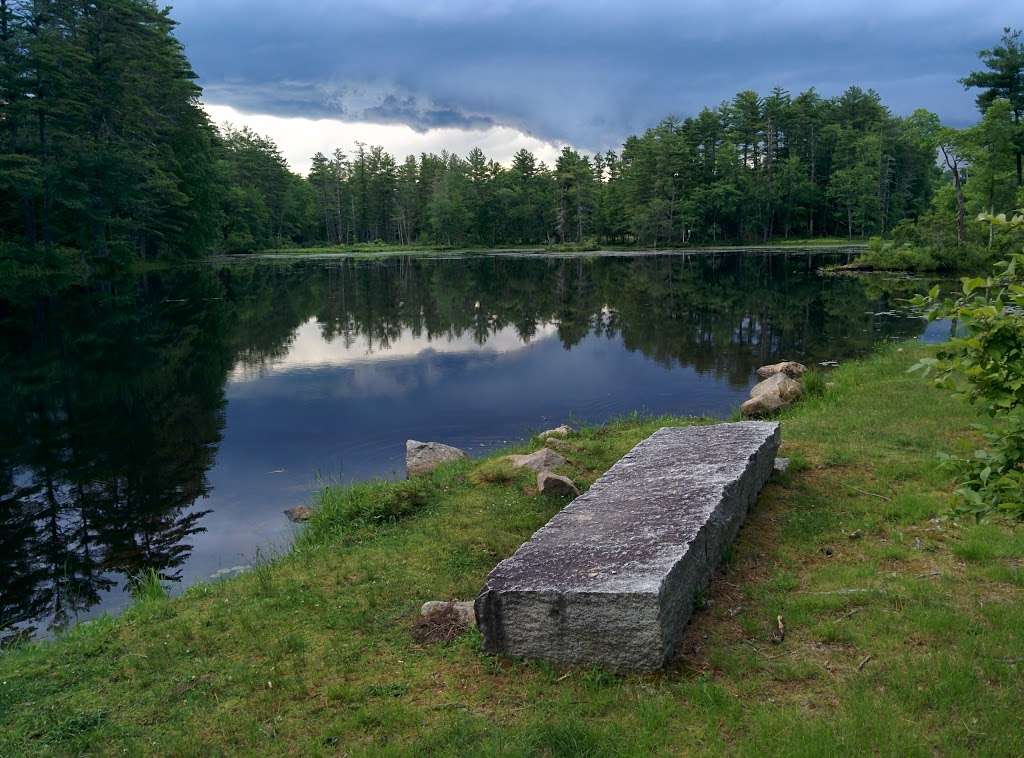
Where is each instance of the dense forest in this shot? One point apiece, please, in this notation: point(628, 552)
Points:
point(106, 153)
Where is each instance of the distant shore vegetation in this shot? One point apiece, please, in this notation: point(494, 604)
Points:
point(108, 159)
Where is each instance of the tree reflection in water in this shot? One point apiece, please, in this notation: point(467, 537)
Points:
point(114, 391)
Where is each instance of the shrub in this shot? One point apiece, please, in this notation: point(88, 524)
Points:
point(986, 364)
point(146, 586)
point(814, 383)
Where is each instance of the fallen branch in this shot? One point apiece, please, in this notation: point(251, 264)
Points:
point(872, 494)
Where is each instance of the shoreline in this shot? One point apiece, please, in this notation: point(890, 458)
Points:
point(312, 652)
point(539, 251)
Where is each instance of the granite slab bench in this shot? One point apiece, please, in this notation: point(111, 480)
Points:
point(612, 578)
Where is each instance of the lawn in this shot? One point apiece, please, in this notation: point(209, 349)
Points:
point(904, 630)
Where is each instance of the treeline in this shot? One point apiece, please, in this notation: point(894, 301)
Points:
point(754, 169)
point(106, 152)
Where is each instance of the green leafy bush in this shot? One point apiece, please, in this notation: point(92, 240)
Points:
point(901, 255)
point(986, 364)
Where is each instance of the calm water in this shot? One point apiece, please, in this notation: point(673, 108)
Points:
point(166, 420)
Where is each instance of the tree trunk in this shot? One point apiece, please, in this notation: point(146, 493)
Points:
point(953, 163)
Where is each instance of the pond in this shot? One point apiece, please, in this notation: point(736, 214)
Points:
point(166, 420)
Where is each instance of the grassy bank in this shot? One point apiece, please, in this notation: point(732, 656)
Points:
point(369, 250)
point(887, 255)
point(903, 632)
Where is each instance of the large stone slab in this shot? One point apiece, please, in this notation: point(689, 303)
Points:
point(612, 578)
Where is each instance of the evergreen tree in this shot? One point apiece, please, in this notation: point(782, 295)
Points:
point(1004, 79)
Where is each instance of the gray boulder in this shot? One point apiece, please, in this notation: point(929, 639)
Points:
point(553, 484)
point(424, 457)
point(541, 460)
point(792, 369)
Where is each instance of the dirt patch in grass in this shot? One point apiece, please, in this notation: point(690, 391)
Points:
point(439, 626)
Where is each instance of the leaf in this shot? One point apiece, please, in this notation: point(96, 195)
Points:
point(972, 283)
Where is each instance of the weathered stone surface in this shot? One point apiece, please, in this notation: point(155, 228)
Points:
point(791, 369)
point(299, 513)
point(553, 484)
point(463, 609)
point(541, 460)
point(559, 431)
point(781, 465)
point(424, 457)
point(611, 579)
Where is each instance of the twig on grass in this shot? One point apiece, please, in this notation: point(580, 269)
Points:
point(872, 494)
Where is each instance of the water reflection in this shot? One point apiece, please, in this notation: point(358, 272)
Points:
point(164, 421)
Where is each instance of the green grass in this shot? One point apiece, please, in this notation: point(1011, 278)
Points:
point(887, 255)
point(904, 631)
point(372, 250)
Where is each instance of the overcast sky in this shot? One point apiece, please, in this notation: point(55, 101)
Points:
point(416, 75)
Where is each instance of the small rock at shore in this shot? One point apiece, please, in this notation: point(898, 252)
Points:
point(763, 405)
point(553, 484)
point(792, 369)
point(424, 457)
point(781, 465)
point(299, 513)
point(461, 609)
point(559, 431)
point(544, 459)
point(779, 384)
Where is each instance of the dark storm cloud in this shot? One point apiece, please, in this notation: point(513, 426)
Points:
point(586, 72)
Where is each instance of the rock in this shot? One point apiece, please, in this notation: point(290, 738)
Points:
point(612, 578)
point(763, 405)
point(773, 394)
point(792, 369)
point(541, 460)
point(424, 457)
point(441, 622)
point(779, 384)
point(553, 484)
point(781, 465)
point(299, 513)
point(462, 609)
point(559, 431)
